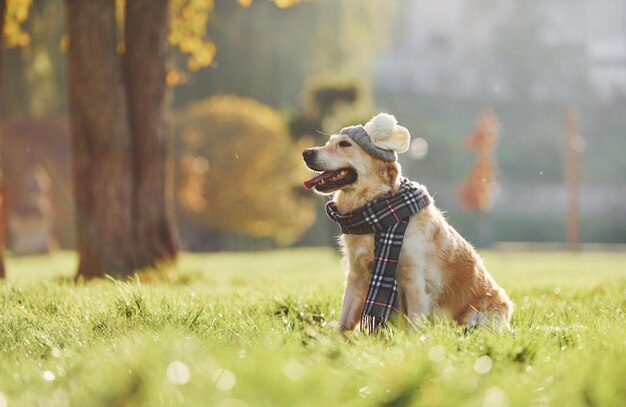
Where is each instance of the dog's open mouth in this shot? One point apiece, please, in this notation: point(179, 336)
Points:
point(331, 180)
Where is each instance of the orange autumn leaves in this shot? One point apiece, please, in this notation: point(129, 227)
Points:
point(16, 14)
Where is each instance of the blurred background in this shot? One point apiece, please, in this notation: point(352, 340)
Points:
point(517, 109)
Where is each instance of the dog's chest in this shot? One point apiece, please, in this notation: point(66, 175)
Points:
point(359, 250)
point(415, 260)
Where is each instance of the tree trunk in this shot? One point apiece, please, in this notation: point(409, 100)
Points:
point(3, 221)
point(145, 68)
point(101, 147)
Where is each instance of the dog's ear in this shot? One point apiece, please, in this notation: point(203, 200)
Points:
point(391, 173)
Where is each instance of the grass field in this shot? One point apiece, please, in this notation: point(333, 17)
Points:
point(251, 329)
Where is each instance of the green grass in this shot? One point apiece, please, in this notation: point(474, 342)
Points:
point(251, 329)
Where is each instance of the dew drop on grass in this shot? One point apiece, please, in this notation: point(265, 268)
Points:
point(55, 352)
point(293, 370)
point(224, 379)
point(178, 372)
point(48, 376)
point(437, 354)
point(495, 397)
point(483, 364)
point(365, 392)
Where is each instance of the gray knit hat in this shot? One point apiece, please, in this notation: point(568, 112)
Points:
point(381, 137)
point(360, 136)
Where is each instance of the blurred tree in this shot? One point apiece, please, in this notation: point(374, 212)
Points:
point(101, 143)
point(239, 169)
point(121, 146)
point(476, 191)
point(2, 211)
point(145, 68)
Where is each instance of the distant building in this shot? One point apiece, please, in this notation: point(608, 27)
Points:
point(552, 49)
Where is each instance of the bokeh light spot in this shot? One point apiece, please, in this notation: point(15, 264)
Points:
point(224, 379)
point(178, 372)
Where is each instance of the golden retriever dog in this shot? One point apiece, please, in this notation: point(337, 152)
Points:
point(438, 273)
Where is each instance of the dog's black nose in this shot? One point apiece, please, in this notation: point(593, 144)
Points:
point(308, 153)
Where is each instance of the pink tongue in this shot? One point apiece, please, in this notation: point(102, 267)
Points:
point(317, 179)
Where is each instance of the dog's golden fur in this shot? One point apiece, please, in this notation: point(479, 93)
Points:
point(439, 272)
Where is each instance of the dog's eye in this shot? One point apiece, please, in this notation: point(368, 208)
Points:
point(344, 143)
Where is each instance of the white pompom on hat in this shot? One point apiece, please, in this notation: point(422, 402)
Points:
point(385, 133)
point(381, 137)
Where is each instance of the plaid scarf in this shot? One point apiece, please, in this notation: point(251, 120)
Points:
point(387, 217)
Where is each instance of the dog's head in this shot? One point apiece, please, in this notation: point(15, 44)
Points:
point(359, 159)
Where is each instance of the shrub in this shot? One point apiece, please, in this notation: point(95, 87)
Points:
point(238, 170)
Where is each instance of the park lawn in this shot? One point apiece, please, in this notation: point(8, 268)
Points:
point(251, 329)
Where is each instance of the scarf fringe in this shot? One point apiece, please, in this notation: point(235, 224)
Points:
point(376, 325)
point(371, 324)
